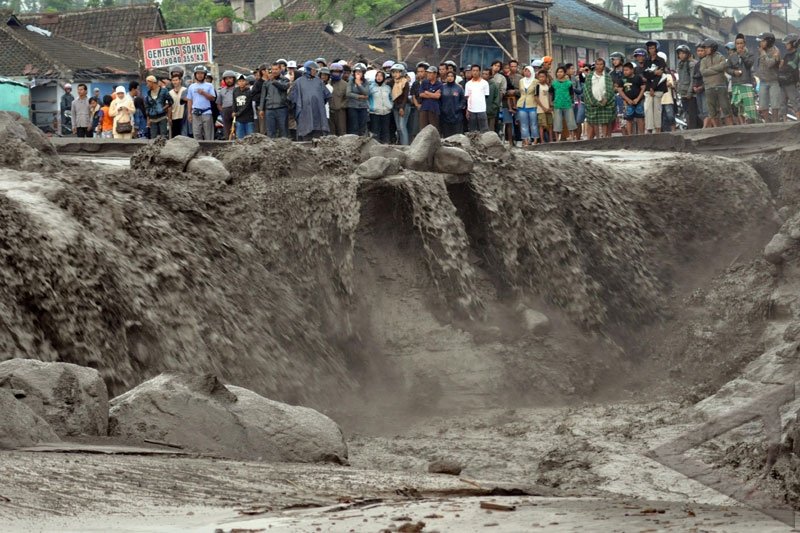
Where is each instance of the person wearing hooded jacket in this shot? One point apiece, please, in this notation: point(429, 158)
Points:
point(712, 67)
point(788, 75)
point(684, 89)
point(452, 102)
point(358, 101)
point(769, 91)
point(274, 101)
point(380, 107)
point(309, 96)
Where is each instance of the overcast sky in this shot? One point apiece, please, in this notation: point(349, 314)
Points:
point(640, 6)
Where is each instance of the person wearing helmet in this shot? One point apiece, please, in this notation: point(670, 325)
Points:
point(338, 101)
point(387, 66)
point(243, 108)
point(639, 56)
point(358, 101)
point(685, 71)
point(617, 59)
point(788, 76)
point(655, 75)
point(321, 62)
point(65, 107)
point(199, 98)
point(740, 69)
point(430, 92)
point(225, 101)
point(712, 68)
point(309, 96)
point(698, 86)
point(400, 90)
point(769, 90)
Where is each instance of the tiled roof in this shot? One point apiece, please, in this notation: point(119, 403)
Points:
point(27, 52)
point(115, 28)
point(777, 22)
point(357, 28)
point(299, 41)
point(581, 15)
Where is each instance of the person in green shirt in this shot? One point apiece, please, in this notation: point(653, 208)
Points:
point(492, 101)
point(563, 100)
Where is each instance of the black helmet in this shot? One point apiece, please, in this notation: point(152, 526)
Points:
point(683, 48)
point(650, 43)
point(766, 36)
point(423, 64)
point(792, 39)
point(617, 55)
point(711, 44)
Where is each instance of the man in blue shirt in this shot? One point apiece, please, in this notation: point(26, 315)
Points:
point(430, 91)
point(200, 97)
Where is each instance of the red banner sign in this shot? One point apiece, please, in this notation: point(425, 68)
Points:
point(177, 49)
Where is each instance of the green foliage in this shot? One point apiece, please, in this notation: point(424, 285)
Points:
point(680, 7)
point(194, 13)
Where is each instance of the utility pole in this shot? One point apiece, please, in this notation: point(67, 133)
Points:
point(656, 1)
point(649, 14)
point(628, 9)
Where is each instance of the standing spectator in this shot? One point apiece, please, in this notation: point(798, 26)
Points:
point(632, 89)
point(699, 87)
point(493, 101)
point(502, 84)
point(416, 102)
point(262, 73)
point(380, 107)
point(157, 103)
point(400, 102)
point(654, 72)
point(769, 91)
point(685, 92)
point(81, 114)
point(94, 110)
point(106, 127)
point(243, 112)
point(563, 99)
point(788, 76)
point(712, 67)
point(526, 107)
point(309, 96)
point(139, 117)
point(599, 98)
point(338, 101)
point(430, 91)
point(452, 103)
point(178, 111)
point(199, 98)
point(740, 69)
point(577, 90)
point(66, 109)
point(122, 110)
point(544, 106)
point(274, 102)
point(358, 101)
point(225, 101)
point(668, 100)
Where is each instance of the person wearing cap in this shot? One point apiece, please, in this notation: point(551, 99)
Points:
point(684, 87)
point(243, 111)
point(96, 93)
point(698, 86)
point(712, 67)
point(122, 109)
point(309, 96)
point(430, 91)
point(66, 105)
point(338, 101)
point(788, 76)
point(80, 113)
point(200, 97)
point(769, 91)
point(740, 69)
point(157, 105)
point(178, 110)
point(273, 102)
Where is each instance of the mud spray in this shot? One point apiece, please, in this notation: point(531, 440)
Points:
point(418, 292)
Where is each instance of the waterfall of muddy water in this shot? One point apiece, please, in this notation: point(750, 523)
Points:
point(300, 281)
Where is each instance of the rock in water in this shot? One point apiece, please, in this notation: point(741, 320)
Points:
point(378, 167)
point(19, 425)
point(209, 168)
point(445, 466)
point(451, 160)
point(203, 415)
point(178, 151)
point(777, 247)
point(419, 155)
point(72, 399)
point(535, 321)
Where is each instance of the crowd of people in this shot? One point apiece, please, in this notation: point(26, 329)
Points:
point(711, 85)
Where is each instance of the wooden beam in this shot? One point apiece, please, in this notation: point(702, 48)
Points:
point(548, 35)
point(503, 48)
point(513, 25)
point(397, 51)
point(419, 40)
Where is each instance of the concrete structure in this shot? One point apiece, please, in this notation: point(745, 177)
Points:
point(15, 96)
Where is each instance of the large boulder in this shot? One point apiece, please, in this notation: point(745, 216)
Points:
point(775, 251)
point(391, 152)
point(452, 160)
point(178, 151)
point(19, 425)
point(72, 399)
point(378, 167)
point(491, 145)
point(23, 146)
point(209, 168)
point(201, 414)
point(419, 156)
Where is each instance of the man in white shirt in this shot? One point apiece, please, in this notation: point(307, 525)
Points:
point(476, 91)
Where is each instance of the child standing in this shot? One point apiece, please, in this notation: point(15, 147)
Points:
point(563, 99)
point(544, 107)
point(106, 124)
point(243, 112)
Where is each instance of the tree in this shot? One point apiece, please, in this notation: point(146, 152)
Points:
point(194, 13)
point(680, 7)
point(737, 15)
point(371, 10)
point(613, 6)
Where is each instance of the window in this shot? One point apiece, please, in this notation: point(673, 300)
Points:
point(481, 55)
